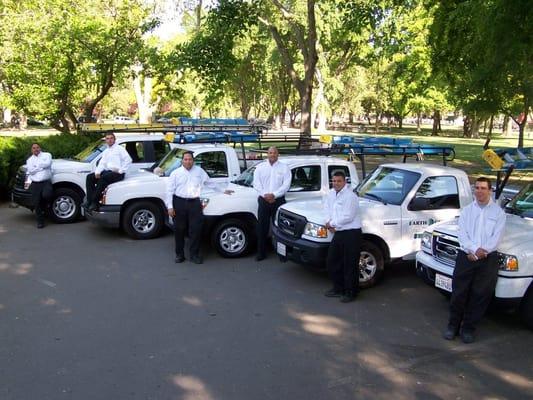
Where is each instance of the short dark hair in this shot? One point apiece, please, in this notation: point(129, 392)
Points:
point(37, 143)
point(188, 152)
point(110, 134)
point(340, 173)
point(484, 179)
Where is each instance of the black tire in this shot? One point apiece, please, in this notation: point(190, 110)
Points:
point(65, 206)
point(371, 265)
point(232, 238)
point(143, 220)
point(526, 308)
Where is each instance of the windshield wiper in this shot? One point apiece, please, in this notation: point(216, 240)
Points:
point(375, 196)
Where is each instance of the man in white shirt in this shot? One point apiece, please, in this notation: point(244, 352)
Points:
point(184, 186)
point(112, 168)
point(272, 179)
point(344, 221)
point(481, 225)
point(38, 181)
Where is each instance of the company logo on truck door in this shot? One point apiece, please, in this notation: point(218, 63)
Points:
point(416, 223)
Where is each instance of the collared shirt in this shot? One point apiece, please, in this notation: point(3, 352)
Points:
point(187, 183)
point(481, 227)
point(114, 158)
point(342, 209)
point(272, 178)
point(39, 167)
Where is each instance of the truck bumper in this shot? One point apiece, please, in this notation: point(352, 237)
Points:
point(22, 197)
point(108, 216)
point(300, 251)
point(509, 290)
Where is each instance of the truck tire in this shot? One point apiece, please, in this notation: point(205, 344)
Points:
point(371, 265)
point(143, 220)
point(526, 308)
point(65, 206)
point(232, 238)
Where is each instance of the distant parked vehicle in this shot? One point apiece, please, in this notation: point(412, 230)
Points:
point(120, 119)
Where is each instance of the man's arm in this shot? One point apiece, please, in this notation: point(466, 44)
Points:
point(257, 183)
point(348, 213)
point(286, 184)
point(464, 239)
point(170, 189)
point(125, 160)
point(495, 236)
point(45, 162)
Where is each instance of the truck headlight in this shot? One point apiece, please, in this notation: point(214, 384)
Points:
point(425, 241)
point(204, 201)
point(507, 262)
point(315, 230)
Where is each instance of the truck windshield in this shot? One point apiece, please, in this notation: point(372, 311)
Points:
point(91, 152)
point(246, 178)
point(171, 161)
point(388, 185)
point(522, 204)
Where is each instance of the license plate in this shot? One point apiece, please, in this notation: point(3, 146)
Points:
point(443, 282)
point(281, 248)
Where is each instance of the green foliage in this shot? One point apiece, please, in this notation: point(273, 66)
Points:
point(15, 150)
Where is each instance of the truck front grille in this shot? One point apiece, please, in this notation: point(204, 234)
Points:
point(445, 248)
point(20, 178)
point(290, 223)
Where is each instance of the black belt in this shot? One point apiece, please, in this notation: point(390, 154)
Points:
point(186, 199)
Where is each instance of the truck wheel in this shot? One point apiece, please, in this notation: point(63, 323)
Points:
point(526, 308)
point(65, 206)
point(371, 265)
point(143, 220)
point(232, 238)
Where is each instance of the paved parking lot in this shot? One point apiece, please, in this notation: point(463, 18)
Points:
point(87, 313)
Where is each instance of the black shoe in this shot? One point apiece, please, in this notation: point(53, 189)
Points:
point(450, 333)
point(467, 337)
point(333, 293)
point(260, 257)
point(40, 225)
point(348, 297)
point(179, 259)
point(197, 260)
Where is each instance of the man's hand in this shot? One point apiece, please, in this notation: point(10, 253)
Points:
point(227, 191)
point(481, 253)
point(330, 228)
point(97, 176)
point(171, 213)
point(269, 197)
point(115, 170)
point(471, 257)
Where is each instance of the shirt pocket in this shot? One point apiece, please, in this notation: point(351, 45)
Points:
point(490, 225)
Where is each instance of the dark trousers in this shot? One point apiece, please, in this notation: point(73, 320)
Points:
point(343, 260)
point(41, 195)
point(95, 187)
point(473, 285)
point(265, 215)
point(189, 219)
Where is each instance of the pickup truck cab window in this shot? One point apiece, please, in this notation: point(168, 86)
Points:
point(214, 163)
point(91, 152)
point(522, 204)
point(246, 178)
point(388, 185)
point(305, 179)
point(436, 193)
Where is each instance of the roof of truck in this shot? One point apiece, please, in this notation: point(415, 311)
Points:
point(425, 167)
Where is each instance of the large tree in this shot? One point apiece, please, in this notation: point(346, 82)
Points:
point(61, 57)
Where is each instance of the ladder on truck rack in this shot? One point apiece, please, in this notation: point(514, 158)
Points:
point(505, 161)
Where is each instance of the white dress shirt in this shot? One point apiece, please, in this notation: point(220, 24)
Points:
point(272, 178)
point(342, 209)
point(115, 158)
point(481, 227)
point(187, 184)
point(39, 167)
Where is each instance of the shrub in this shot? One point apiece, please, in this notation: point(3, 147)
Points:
point(15, 150)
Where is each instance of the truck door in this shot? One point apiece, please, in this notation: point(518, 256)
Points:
point(214, 163)
point(435, 200)
point(306, 183)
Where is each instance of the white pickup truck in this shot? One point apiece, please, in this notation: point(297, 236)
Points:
point(68, 176)
point(436, 259)
point(137, 206)
point(397, 202)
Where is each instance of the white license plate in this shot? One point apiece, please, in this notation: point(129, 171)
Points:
point(281, 248)
point(443, 282)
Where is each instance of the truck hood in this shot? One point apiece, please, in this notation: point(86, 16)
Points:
point(239, 191)
point(313, 210)
point(138, 176)
point(517, 236)
point(61, 165)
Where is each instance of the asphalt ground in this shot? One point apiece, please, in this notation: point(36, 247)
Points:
point(86, 313)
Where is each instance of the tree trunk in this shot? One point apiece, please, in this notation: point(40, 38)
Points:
point(143, 97)
point(506, 127)
point(436, 123)
point(474, 131)
point(418, 120)
point(467, 128)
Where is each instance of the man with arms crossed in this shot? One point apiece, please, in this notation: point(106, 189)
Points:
point(112, 168)
point(38, 180)
point(481, 225)
point(272, 179)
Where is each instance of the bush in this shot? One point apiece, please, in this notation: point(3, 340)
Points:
point(15, 150)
